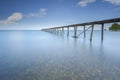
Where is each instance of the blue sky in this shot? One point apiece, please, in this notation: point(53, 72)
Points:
point(37, 14)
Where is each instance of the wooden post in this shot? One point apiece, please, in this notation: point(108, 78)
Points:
point(63, 30)
point(92, 32)
point(102, 32)
point(55, 31)
point(75, 31)
point(59, 30)
point(51, 30)
point(84, 32)
point(67, 31)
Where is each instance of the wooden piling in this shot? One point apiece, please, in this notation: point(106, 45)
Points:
point(102, 32)
point(84, 32)
point(67, 31)
point(55, 31)
point(91, 32)
point(75, 31)
point(63, 30)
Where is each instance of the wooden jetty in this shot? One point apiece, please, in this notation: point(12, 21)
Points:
point(75, 26)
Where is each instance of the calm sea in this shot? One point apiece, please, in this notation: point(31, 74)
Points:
point(37, 55)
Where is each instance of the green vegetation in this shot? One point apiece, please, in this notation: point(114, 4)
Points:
point(115, 27)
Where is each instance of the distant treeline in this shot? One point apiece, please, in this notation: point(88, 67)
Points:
point(115, 27)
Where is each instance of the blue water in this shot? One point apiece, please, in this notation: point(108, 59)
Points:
point(37, 55)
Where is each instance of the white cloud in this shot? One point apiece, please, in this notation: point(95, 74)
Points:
point(84, 3)
point(115, 2)
point(41, 13)
point(12, 19)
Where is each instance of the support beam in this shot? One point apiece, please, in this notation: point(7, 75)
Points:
point(67, 31)
point(84, 32)
point(75, 31)
point(91, 32)
point(102, 32)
